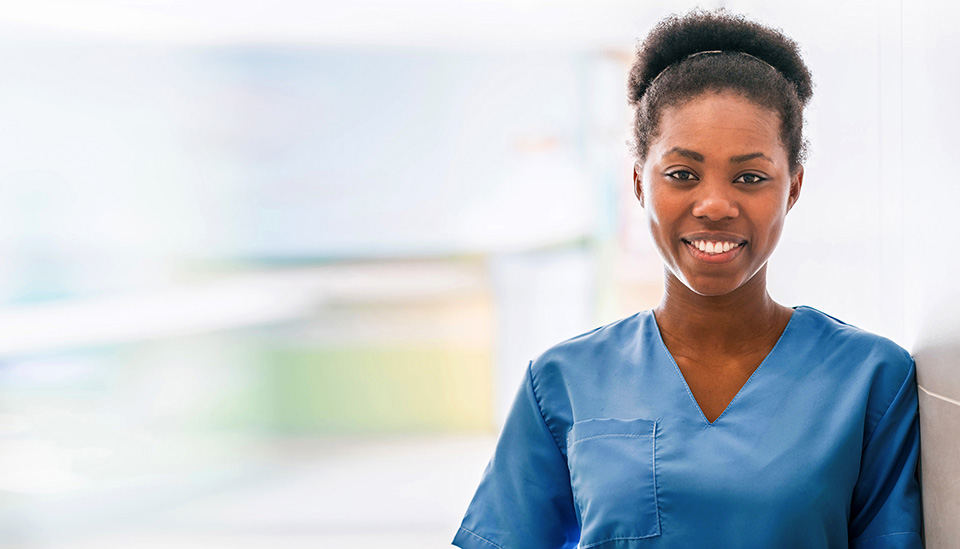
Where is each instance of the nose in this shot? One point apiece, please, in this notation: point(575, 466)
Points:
point(715, 204)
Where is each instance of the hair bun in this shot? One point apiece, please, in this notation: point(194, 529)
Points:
point(677, 37)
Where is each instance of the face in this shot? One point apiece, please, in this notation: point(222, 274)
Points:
point(716, 185)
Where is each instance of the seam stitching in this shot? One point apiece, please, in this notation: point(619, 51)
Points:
point(596, 543)
point(903, 384)
point(481, 538)
point(579, 440)
point(653, 462)
point(536, 398)
point(862, 541)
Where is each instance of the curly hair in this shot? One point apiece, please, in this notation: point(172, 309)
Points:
point(686, 56)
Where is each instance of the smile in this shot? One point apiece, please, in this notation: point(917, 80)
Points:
point(714, 251)
point(712, 247)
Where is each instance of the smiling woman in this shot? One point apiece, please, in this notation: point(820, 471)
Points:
point(721, 417)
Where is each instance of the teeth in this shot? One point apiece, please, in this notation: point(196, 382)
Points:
point(711, 247)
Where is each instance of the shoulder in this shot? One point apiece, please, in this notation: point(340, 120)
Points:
point(874, 362)
point(592, 348)
point(586, 369)
point(833, 336)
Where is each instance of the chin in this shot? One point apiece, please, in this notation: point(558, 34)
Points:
point(707, 286)
point(711, 291)
point(713, 287)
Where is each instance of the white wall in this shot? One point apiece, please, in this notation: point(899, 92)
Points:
point(931, 116)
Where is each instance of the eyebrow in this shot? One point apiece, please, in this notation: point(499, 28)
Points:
point(686, 152)
point(733, 159)
point(751, 156)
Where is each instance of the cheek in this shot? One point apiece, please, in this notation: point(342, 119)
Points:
point(654, 215)
point(774, 227)
point(768, 210)
point(665, 212)
point(657, 204)
point(662, 221)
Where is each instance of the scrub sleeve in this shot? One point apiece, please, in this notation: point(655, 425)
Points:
point(524, 499)
point(885, 499)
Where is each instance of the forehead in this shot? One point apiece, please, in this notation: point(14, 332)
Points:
point(719, 124)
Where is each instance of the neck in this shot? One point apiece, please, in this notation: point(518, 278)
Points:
point(722, 323)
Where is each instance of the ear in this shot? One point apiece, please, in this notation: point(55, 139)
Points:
point(638, 182)
point(796, 181)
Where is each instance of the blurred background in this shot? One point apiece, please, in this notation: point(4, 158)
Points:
point(270, 273)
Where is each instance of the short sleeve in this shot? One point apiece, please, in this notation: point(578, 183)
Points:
point(886, 509)
point(524, 500)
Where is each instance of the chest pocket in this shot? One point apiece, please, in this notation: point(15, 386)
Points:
point(614, 479)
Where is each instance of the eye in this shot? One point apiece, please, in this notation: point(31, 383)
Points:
point(682, 175)
point(750, 179)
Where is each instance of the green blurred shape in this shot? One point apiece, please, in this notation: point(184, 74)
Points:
point(351, 390)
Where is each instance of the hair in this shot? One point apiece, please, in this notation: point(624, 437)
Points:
point(667, 73)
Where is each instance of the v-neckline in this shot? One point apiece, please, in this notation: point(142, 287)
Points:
point(736, 396)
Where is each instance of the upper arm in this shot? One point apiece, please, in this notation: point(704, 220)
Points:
point(524, 499)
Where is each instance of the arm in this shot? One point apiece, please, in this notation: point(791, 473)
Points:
point(885, 511)
point(524, 500)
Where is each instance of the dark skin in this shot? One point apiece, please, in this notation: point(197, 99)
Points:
point(718, 342)
point(717, 174)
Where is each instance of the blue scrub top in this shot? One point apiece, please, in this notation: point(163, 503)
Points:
point(606, 447)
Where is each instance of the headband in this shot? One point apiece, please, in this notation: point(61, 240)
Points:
point(705, 53)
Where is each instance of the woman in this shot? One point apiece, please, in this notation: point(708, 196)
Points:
point(720, 418)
